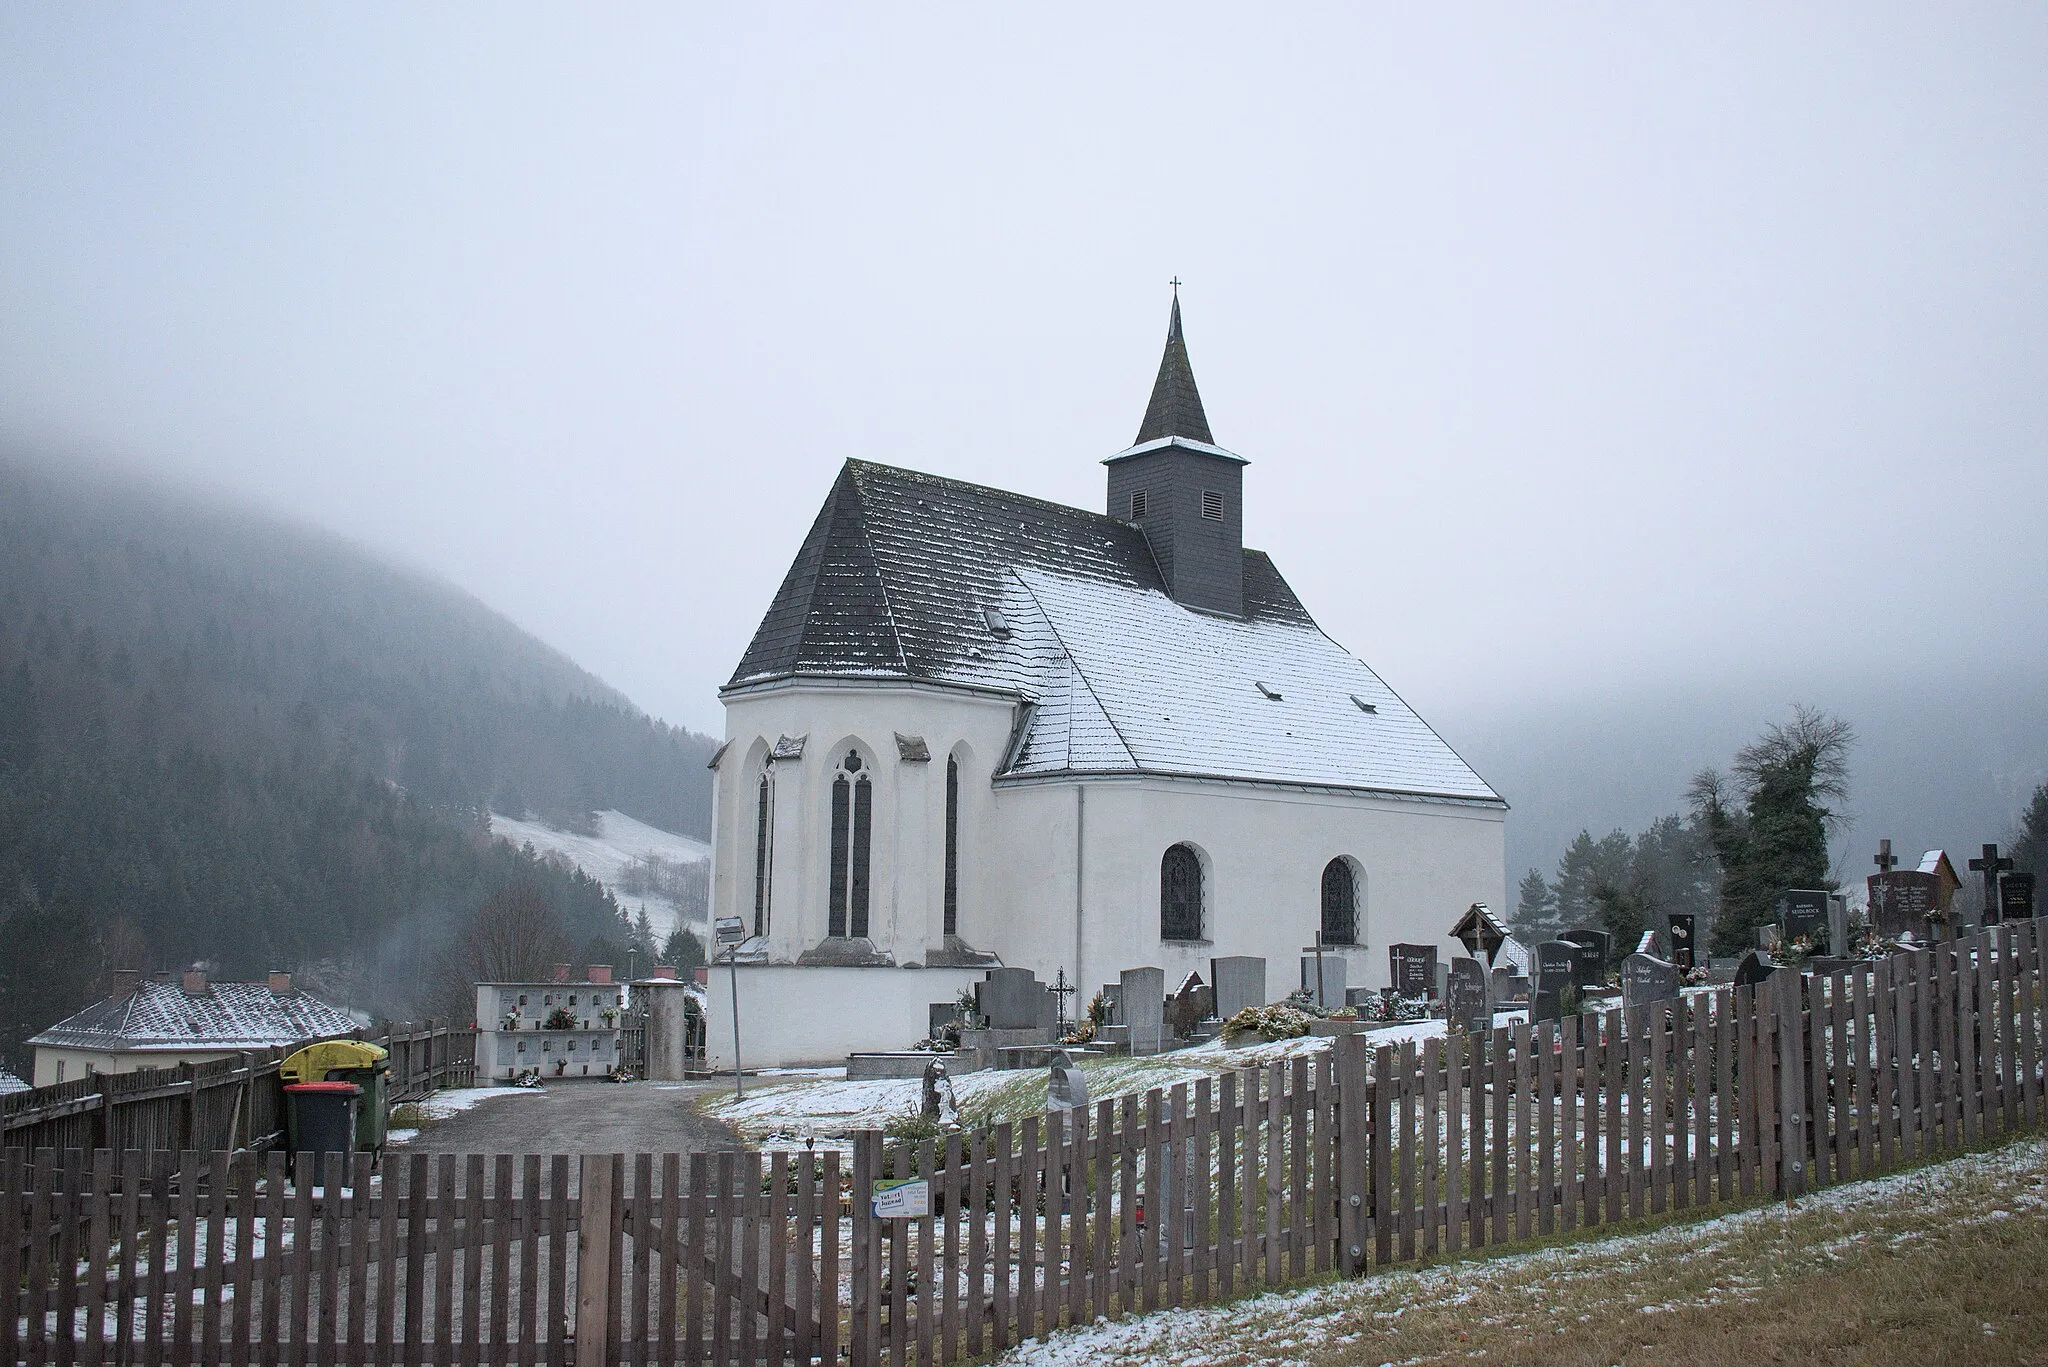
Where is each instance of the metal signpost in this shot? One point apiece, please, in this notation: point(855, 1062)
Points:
point(731, 931)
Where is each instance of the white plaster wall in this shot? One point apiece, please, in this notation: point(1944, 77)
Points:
point(906, 907)
point(78, 1062)
point(795, 1016)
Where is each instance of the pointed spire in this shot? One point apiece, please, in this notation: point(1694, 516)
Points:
point(1176, 407)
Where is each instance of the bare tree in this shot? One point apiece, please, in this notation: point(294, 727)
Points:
point(517, 936)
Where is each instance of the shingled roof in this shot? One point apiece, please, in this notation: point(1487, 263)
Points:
point(163, 1016)
point(1176, 406)
point(907, 575)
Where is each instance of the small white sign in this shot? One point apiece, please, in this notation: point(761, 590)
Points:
point(904, 1200)
point(731, 930)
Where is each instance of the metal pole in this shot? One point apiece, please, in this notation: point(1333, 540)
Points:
point(732, 963)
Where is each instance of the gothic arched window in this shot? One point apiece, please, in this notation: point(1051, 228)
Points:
point(1340, 903)
point(1180, 894)
point(764, 845)
point(853, 819)
point(952, 847)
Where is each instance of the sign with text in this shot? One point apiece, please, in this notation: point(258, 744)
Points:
point(907, 1199)
point(1803, 915)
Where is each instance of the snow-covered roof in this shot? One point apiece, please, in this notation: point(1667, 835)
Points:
point(901, 569)
point(10, 1083)
point(163, 1016)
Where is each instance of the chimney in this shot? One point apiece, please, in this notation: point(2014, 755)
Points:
point(280, 984)
point(600, 974)
point(195, 982)
point(122, 983)
point(665, 973)
point(561, 973)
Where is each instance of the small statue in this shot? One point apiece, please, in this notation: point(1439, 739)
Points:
point(941, 1103)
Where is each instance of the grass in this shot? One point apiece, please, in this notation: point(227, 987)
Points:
point(408, 1115)
point(1934, 1266)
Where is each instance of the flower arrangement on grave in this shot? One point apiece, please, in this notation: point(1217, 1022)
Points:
point(1797, 950)
point(1695, 976)
point(1344, 1013)
point(1389, 1009)
point(610, 1014)
point(1098, 1010)
point(1279, 1021)
point(1082, 1033)
point(970, 1016)
point(561, 1018)
point(1304, 1001)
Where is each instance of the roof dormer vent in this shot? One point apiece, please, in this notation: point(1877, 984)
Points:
point(998, 625)
point(1267, 691)
point(1364, 706)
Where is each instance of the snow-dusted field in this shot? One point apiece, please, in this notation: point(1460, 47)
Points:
point(620, 841)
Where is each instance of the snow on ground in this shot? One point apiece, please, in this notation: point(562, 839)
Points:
point(1295, 1325)
point(819, 1103)
point(620, 841)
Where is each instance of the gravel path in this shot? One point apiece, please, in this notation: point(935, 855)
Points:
point(579, 1117)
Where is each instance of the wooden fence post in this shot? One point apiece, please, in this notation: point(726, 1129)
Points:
point(864, 1285)
point(1354, 1140)
point(594, 1260)
point(1787, 1004)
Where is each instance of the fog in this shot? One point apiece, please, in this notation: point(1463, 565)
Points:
point(1605, 373)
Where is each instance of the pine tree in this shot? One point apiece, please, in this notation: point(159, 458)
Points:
point(1769, 824)
point(683, 949)
point(1535, 916)
point(2030, 845)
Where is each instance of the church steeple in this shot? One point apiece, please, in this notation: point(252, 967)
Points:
point(1176, 406)
point(1184, 491)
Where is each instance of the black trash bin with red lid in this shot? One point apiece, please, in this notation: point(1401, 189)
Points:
point(320, 1117)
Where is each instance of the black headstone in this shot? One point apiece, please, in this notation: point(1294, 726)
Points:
point(1556, 965)
point(1803, 915)
point(1465, 993)
point(2016, 896)
point(1683, 924)
point(1753, 968)
point(1545, 1006)
point(1414, 969)
point(1595, 946)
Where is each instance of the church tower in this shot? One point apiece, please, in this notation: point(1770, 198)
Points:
point(1182, 490)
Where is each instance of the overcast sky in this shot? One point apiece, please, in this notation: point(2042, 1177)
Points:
point(1574, 348)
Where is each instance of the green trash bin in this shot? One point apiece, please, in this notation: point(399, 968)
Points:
point(350, 1060)
point(320, 1118)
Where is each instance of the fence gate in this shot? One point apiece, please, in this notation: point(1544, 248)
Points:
point(440, 1259)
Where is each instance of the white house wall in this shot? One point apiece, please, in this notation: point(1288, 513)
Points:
point(794, 1016)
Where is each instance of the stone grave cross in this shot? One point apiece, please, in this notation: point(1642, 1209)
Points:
point(1886, 861)
point(1991, 865)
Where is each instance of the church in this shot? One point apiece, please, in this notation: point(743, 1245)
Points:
point(978, 728)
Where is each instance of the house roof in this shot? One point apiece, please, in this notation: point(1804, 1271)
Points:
point(905, 576)
point(163, 1016)
point(10, 1083)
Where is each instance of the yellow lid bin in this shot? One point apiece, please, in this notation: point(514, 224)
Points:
point(311, 1064)
point(349, 1060)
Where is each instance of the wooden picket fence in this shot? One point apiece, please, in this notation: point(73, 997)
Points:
point(1347, 1161)
point(444, 1258)
point(230, 1103)
point(1366, 1157)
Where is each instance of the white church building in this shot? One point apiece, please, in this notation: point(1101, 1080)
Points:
point(975, 727)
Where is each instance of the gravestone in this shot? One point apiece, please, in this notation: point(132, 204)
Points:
point(944, 1014)
point(1145, 1008)
point(1590, 963)
point(1334, 969)
point(1443, 981)
point(1753, 968)
point(1194, 1003)
point(1012, 999)
point(1645, 978)
point(1683, 924)
point(1500, 985)
point(1414, 969)
point(1465, 997)
point(1113, 1003)
point(1239, 981)
point(2016, 896)
point(1902, 901)
point(1066, 1086)
point(1992, 864)
point(1838, 925)
point(1803, 915)
point(1556, 965)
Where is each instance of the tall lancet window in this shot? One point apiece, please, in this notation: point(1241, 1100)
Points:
point(1340, 903)
point(764, 848)
point(1180, 894)
point(853, 819)
point(952, 847)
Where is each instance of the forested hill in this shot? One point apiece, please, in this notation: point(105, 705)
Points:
point(230, 739)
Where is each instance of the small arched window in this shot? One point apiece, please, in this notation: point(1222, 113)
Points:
point(1340, 903)
point(853, 819)
point(1180, 894)
point(952, 847)
point(764, 848)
